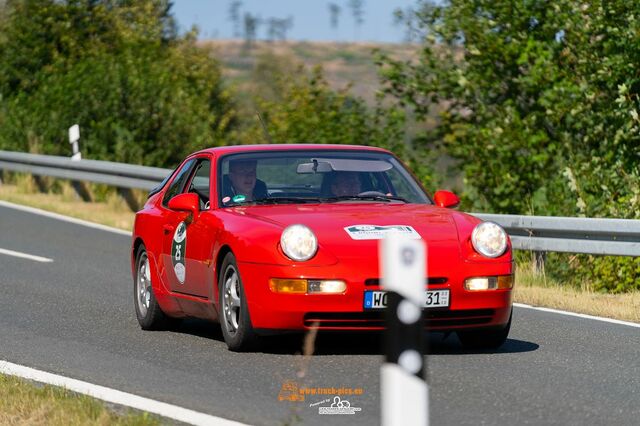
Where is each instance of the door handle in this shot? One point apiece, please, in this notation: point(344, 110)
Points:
point(167, 229)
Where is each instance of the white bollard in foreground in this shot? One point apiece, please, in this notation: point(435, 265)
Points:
point(404, 390)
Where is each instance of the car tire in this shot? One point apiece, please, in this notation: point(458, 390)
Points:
point(235, 320)
point(485, 339)
point(148, 312)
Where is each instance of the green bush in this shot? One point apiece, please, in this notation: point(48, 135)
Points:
point(139, 93)
point(539, 103)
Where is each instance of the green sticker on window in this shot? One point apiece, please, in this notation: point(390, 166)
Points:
point(239, 198)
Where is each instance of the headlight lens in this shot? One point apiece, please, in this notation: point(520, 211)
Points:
point(489, 239)
point(299, 242)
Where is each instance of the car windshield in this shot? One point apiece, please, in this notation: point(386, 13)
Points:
point(322, 176)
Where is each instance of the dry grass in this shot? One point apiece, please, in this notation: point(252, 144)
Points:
point(23, 403)
point(111, 212)
point(537, 290)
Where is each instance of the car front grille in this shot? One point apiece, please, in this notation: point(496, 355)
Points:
point(434, 319)
point(431, 280)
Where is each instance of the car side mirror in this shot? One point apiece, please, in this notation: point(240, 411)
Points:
point(188, 202)
point(446, 199)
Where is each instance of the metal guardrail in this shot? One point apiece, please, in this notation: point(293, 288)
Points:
point(110, 173)
point(617, 237)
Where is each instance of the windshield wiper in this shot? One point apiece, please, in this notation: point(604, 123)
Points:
point(286, 200)
point(387, 198)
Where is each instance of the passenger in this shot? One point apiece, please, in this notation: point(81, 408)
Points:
point(345, 184)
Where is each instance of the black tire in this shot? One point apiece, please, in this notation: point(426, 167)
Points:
point(485, 339)
point(235, 320)
point(148, 312)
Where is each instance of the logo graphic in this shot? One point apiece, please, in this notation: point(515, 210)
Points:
point(408, 256)
point(290, 392)
point(339, 406)
point(178, 251)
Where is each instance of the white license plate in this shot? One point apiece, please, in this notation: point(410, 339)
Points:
point(433, 299)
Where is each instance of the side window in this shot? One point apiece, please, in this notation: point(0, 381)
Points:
point(179, 182)
point(200, 183)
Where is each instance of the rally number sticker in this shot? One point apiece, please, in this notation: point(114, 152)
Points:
point(377, 232)
point(178, 251)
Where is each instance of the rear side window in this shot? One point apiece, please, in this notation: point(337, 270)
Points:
point(177, 186)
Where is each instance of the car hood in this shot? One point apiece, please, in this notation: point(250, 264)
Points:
point(344, 228)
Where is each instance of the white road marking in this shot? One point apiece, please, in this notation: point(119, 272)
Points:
point(116, 397)
point(64, 218)
point(25, 256)
point(573, 314)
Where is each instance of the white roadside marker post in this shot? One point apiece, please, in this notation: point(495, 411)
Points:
point(74, 138)
point(404, 391)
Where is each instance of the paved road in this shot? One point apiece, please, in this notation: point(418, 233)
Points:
point(75, 317)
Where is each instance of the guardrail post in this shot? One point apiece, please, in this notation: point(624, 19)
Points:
point(40, 184)
point(81, 190)
point(404, 391)
point(538, 261)
point(128, 197)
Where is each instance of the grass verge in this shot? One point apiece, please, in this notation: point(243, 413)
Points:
point(112, 211)
point(23, 403)
point(535, 289)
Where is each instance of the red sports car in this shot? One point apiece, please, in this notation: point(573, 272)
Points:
point(278, 238)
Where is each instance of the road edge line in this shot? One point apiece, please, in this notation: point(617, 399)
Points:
point(22, 255)
point(575, 314)
point(114, 396)
point(64, 218)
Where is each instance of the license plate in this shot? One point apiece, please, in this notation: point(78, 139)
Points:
point(433, 299)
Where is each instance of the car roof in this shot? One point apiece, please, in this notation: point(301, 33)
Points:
point(230, 149)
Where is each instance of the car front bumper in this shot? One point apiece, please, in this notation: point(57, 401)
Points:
point(280, 311)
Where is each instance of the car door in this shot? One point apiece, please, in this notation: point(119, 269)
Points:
point(188, 240)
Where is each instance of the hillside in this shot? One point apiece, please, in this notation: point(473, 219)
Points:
point(343, 63)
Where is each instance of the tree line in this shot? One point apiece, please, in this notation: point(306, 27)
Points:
point(246, 24)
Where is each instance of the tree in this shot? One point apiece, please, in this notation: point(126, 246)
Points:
point(277, 28)
point(234, 17)
point(357, 10)
point(251, 24)
point(406, 18)
point(539, 102)
point(334, 14)
point(140, 93)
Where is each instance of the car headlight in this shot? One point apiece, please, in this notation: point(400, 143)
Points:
point(299, 242)
point(489, 239)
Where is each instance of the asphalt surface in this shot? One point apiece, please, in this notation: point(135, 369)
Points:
point(75, 317)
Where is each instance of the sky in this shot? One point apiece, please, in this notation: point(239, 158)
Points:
point(311, 19)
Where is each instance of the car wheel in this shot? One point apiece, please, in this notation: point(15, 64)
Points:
point(485, 339)
point(235, 321)
point(149, 314)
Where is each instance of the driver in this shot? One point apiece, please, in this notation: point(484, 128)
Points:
point(345, 184)
point(243, 181)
